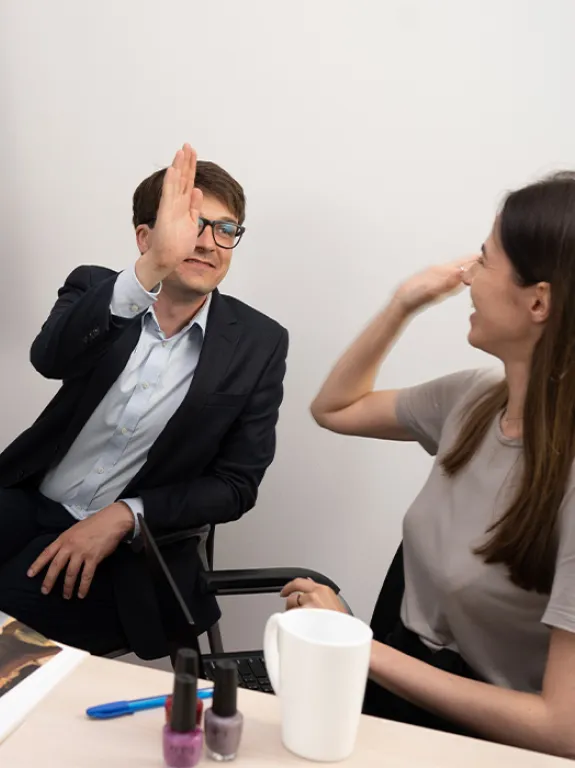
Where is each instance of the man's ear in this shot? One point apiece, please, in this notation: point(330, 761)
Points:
point(143, 235)
point(541, 302)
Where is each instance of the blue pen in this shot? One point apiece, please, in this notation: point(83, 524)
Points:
point(120, 708)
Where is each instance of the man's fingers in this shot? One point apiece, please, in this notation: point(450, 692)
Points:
point(196, 203)
point(189, 170)
point(58, 563)
point(178, 161)
point(171, 185)
point(298, 585)
point(72, 572)
point(87, 577)
point(192, 170)
point(180, 176)
point(184, 181)
point(43, 559)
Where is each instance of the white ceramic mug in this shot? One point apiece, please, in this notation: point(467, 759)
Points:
point(318, 662)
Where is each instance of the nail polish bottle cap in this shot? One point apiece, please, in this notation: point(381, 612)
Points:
point(225, 701)
point(183, 717)
point(187, 662)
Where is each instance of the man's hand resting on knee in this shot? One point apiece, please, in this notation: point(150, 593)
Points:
point(82, 547)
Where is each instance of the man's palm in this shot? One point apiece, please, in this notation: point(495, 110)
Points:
point(176, 230)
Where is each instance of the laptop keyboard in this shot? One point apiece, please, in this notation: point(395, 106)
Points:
point(252, 673)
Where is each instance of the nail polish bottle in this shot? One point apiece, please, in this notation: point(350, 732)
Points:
point(182, 741)
point(223, 723)
point(187, 661)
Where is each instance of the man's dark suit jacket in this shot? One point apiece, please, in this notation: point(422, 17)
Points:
point(206, 465)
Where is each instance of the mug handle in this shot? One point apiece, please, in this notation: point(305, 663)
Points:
point(271, 650)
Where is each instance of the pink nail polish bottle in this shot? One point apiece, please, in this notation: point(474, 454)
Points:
point(183, 742)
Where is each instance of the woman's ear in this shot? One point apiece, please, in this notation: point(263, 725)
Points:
point(541, 302)
point(143, 233)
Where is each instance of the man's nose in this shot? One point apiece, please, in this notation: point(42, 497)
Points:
point(206, 240)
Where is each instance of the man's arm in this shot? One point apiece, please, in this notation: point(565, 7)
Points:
point(229, 486)
point(82, 324)
point(79, 328)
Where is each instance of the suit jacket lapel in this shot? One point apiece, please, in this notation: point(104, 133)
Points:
point(116, 359)
point(222, 335)
point(103, 377)
point(220, 341)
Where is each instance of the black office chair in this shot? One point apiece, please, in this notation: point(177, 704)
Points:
point(178, 622)
point(205, 543)
point(252, 581)
point(205, 537)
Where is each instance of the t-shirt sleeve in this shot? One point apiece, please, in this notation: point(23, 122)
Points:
point(423, 409)
point(560, 611)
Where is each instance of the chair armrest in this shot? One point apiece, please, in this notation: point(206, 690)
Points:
point(137, 545)
point(184, 535)
point(259, 581)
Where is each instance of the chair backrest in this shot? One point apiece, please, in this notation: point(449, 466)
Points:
point(386, 614)
point(387, 609)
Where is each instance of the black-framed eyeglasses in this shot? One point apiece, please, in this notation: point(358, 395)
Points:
point(227, 234)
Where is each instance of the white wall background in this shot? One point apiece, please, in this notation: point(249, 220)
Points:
point(372, 138)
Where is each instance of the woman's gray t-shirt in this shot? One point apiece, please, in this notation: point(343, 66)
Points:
point(452, 597)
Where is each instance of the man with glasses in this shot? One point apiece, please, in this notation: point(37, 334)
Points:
point(168, 409)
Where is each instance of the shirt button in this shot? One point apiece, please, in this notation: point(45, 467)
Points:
point(134, 307)
point(124, 431)
point(164, 343)
point(100, 470)
point(145, 385)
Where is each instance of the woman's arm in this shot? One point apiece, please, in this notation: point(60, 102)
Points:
point(542, 722)
point(347, 403)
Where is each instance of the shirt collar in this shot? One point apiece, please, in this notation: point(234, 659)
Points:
point(200, 318)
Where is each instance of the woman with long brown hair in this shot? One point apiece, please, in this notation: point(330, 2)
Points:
point(489, 543)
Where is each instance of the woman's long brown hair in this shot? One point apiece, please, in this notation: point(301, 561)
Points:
point(537, 233)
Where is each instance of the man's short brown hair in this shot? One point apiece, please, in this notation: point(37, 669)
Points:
point(210, 178)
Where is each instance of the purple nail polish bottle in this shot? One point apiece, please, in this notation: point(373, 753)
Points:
point(183, 742)
point(223, 723)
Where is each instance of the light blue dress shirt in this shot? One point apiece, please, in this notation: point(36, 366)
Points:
point(113, 445)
